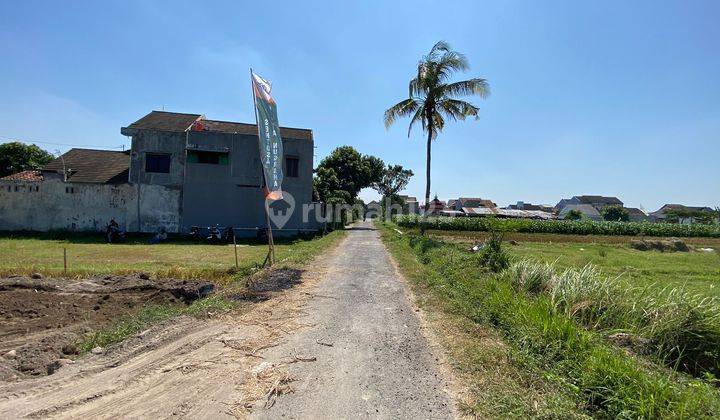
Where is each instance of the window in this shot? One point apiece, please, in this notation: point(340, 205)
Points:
point(212, 158)
point(292, 164)
point(69, 190)
point(156, 162)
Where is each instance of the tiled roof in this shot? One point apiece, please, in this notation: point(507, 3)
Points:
point(667, 207)
point(475, 202)
point(165, 121)
point(634, 211)
point(93, 166)
point(177, 122)
point(34, 176)
point(598, 199)
point(244, 128)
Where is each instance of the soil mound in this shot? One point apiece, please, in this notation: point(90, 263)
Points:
point(42, 319)
point(669, 245)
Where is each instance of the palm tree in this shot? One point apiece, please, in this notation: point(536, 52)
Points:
point(433, 98)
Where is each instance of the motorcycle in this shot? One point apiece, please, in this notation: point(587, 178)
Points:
point(113, 233)
point(195, 233)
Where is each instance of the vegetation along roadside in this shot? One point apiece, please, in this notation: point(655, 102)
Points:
point(551, 341)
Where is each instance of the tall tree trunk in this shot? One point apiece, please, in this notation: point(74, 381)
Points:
point(427, 177)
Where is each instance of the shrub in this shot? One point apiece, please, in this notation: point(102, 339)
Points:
point(615, 214)
point(573, 215)
point(492, 255)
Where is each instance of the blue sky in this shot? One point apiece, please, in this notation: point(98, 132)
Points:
point(605, 97)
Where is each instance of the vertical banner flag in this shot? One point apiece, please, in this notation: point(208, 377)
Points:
point(271, 149)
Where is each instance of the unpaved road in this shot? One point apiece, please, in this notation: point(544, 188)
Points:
point(343, 343)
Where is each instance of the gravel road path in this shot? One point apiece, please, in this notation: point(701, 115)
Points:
point(372, 358)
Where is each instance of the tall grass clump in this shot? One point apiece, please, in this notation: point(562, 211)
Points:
point(680, 328)
point(569, 227)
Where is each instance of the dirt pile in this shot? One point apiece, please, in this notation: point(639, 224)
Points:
point(662, 245)
point(42, 319)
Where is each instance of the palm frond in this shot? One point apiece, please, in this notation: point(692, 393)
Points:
point(467, 87)
point(438, 124)
point(440, 47)
point(401, 109)
point(417, 87)
point(419, 116)
point(449, 63)
point(457, 109)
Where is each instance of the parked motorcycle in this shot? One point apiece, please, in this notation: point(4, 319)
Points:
point(195, 233)
point(113, 233)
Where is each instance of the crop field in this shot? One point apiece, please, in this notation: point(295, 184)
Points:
point(583, 227)
point(602, 329)
point(697, 270)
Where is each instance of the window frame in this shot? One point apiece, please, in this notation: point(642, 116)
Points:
point(156, 168)
point(296, 159)
point(201, 157)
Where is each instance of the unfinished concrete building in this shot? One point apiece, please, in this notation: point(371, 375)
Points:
point(182, 170)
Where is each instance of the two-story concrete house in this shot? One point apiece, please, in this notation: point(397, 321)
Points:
point(183, 170)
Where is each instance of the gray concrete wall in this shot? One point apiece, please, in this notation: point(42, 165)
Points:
point(44, 206)
point(231, 195)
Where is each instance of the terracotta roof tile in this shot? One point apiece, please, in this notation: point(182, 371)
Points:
point(35, 176)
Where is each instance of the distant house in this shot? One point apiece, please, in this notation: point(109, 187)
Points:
point(636, 214)
point(587, 210)
point(597, 201)
point(373, 209)
point(521, 205)
point(411, 204)
point(435, 207)
point(661, 214)
point(473, 203)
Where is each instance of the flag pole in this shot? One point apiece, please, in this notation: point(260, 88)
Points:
point(270, 258)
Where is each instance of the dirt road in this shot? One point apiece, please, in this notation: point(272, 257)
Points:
point(344, 342)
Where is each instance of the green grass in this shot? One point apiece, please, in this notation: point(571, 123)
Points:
point(148, 316)
point(697, 271)
point(88, 256)
point(602, 379)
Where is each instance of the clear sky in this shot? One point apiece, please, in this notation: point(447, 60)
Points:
point(588, 97)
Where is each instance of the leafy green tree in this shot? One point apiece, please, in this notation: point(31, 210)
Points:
point(432, 98)
point(394, 179)
point(346, 170)
point(615, 214)
point(573, 215)
point(17, 157)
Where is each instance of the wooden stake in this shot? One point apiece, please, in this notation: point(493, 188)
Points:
point(235, 248)
point(65, 260)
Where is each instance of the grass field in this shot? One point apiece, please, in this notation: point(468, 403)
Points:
point(698, 271)
point(556, 353)
point(88, 256)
